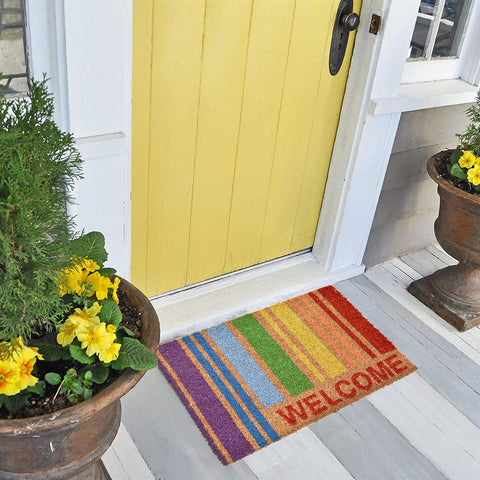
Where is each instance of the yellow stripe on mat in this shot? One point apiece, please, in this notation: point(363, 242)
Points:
point(275, 327)
point(306, 337)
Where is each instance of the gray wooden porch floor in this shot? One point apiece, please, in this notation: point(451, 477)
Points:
point(425, 426)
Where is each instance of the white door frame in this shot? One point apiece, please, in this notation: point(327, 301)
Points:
point(90, 64)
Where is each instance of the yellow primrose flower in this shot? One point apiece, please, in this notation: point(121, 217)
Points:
point(467, 160)
point(116, 283)
point(82, 320)
point(474, 175)
point(89, 265)
point(9, 377)
point(110, 354)
point(68, 331)
point(97, 339)
point(25, 360)
point(100, 285)
point(73, 280)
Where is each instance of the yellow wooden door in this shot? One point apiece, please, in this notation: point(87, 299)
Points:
point(234, 118)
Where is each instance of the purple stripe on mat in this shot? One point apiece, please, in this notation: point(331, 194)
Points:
point(207, 402)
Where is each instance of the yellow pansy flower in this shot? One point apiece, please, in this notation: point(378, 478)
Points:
point(467, 160)
point(474, 175)
point(97, 339)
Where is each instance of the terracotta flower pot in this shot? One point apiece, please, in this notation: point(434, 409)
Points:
point(454, 292)
point(68, 444)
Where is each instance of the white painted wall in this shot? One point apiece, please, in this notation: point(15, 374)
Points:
point(408, 204)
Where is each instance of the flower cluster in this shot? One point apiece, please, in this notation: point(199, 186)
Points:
point(16, 365)
point(86, 342)
point(96, 337)
point(84, 278)
point(465, 165)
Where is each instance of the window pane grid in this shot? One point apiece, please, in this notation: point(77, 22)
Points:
point(439, 29)
point(13, 64)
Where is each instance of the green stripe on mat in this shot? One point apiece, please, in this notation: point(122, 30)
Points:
point(290, 376)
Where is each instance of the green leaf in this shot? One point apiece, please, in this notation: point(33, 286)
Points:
point(80, 355)
point(123, 328)
point(135, 355)
point(90, 245)
point(110, 313)
point(458, 172)
point(73, 398)
point(98, 373)
point(107, 271)
point(455, 156)
point(76, 387)
point(14, 403)
point(51, 350)
point(53, 378)
point(87, 393)
point(87, 375)
point(38, 388)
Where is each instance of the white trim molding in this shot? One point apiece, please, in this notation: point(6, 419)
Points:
point(85, 48)
point(364, 142)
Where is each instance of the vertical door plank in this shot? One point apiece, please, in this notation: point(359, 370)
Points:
point(141, 89)
point(176, 69)
point(266, 63)
point(327, 113)
point(306, 66)
point(227, 25)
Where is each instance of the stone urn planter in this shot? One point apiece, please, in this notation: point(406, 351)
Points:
point(454, 292)
point(69, 443)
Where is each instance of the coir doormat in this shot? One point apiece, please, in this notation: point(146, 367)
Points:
point(255, 379)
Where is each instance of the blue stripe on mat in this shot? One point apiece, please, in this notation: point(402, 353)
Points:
point(226, 393)
point(245, 365)
point(238, 388)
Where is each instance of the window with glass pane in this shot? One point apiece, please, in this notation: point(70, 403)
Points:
point(439, 29)
point(13, 64)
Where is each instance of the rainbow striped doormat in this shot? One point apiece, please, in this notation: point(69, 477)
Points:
point(253, 380)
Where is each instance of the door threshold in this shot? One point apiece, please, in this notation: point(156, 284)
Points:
point(211, 303)
point(254, 270)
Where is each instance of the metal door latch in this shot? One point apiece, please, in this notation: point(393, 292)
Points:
point(345, 22)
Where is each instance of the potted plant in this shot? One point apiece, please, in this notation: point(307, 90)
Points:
point(454, 292)
point(73, 336)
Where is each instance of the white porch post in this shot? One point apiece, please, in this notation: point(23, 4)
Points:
point(364, 141)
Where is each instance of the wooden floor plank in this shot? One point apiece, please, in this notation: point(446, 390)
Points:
point(123, 460)
point(386, 277)
point(371, 448)
point(432, 425)
point(420, 262)
point(300, 456)
point(168, 438)
point(438, 252)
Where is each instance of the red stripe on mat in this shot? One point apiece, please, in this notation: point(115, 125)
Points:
point(357, 320)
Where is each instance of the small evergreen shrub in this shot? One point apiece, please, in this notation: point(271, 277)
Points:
point(58, 303)
point(38, 166)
